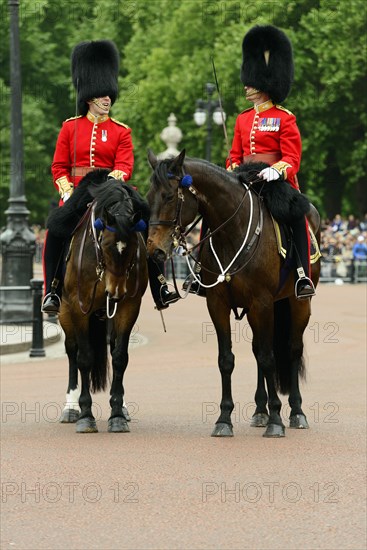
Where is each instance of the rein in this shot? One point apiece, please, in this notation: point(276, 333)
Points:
point(179, 235)
point(225, 274)
point(90, 219)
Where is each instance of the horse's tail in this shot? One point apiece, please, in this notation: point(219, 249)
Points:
point(282, 347)
point(98, 342)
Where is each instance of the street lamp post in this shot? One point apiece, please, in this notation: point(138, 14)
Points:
point(17, 241)
point(208, 111)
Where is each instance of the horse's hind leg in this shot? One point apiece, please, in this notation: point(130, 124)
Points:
point(71, 410)
point(260, 417)
point(70, 413)
point(300, 317)
point(261, 322)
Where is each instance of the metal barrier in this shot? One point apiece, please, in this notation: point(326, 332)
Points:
point(349, 271)
point(180, 266)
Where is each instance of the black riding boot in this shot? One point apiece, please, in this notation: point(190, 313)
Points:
point(53, 276)
point(158, 285)
point(304, 287)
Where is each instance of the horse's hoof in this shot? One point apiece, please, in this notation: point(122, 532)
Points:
point(86, 426)
point(222, 430)
point(298, 421)
point(69, 416)
point(118, 424)
point(125, 412)
point(259, 420)
point(274, 430)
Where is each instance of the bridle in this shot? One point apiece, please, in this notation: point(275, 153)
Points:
point(179, 234)
point(179, 230)
point(91, 227)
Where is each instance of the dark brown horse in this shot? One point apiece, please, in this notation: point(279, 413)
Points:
point(241, 268)
point(106, 277)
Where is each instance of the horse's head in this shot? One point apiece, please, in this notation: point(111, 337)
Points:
point(116, 216)
point(172, 205)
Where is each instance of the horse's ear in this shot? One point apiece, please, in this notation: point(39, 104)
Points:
point(152, 159)
point(178, 161)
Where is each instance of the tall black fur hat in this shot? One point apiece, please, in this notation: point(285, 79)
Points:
point(267, 61)
point(94, 71)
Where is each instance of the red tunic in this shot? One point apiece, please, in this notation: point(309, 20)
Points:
point(101, 142)
point(268, 128)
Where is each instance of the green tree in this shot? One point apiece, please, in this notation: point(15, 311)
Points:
point(166, 48)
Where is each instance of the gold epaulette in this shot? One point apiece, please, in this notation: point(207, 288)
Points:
point(284, 109)
point(73, 118)
point(120, 123)
point(245, 111)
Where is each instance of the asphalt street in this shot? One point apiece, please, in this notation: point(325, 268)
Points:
point(167, 484)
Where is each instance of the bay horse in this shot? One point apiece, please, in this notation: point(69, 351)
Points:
point(105, 279)
point(241, 268)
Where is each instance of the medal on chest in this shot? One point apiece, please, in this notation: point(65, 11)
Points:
point(104, 135)
point(269, 124)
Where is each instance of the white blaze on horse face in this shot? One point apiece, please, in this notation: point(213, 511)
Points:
point(120, 246)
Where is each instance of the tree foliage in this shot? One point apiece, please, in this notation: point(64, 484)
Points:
point(166, 49)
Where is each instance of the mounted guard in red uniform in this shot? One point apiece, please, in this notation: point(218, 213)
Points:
point(90, 141)
point(267, 132)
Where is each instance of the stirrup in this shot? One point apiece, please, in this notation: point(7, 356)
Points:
point(166, 297)
point(304, 288)
point(51, 303)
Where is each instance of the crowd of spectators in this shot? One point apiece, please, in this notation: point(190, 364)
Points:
point(344, 247)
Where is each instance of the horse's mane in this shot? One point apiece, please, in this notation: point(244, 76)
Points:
point(63, 221)
point(159, 176)
point(284, 202)
point(107, 193)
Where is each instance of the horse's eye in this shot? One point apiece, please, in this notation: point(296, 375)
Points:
point(168, 197)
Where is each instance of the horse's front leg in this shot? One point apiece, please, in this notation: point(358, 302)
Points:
point(260, 417)
point(220, 315)
point(123, 324)
point(261, 322)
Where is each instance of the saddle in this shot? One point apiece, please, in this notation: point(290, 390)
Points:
point(284, 241)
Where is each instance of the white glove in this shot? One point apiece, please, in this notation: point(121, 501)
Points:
point(66, 196)
point(270, 174)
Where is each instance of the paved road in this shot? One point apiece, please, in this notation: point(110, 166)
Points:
point(168, 484)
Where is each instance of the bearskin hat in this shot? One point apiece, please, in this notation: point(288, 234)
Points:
point(267, 61)
point(94, 71)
